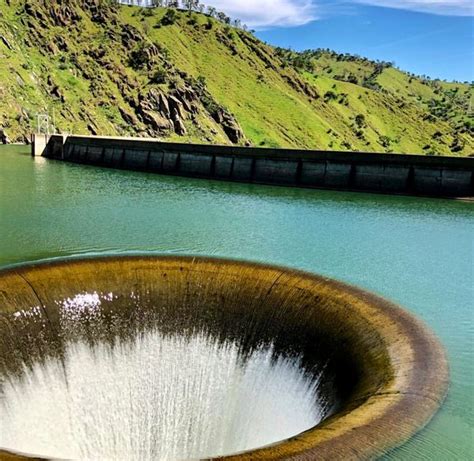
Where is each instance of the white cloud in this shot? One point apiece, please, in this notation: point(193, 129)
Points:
point(443, 7)
point(269, 13)
point(261, 14)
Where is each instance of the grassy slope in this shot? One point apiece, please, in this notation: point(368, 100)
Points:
point(255, 88)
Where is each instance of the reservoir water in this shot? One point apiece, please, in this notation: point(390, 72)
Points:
point(417, 252)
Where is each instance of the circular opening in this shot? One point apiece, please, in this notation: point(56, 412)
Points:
point(177, 358)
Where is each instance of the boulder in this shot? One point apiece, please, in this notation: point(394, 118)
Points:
point(4, 40)
point(230, 126)
point(3, 137)
point(187, 96)
point(156, 121)
point(218, 115)
point(176, 106)
point(129, 118)
point(233, 131)
point(92, 129)
point(54, 90)
point(64, 14)
point(179, 127)
point(164, 107)
point(130, 36)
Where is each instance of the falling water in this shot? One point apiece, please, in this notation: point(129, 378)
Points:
point(157, 397)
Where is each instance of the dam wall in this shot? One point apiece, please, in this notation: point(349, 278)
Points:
point(369, 172)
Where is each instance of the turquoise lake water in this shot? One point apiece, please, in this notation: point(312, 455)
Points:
point(416, 252)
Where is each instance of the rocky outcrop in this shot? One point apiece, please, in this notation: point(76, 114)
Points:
point(130, 36)
point(101, 13)
point(54, 90)
point(229, 124)
point(4, 40)
point(63, 14)
point(188, 98)
point(299, 85)
point(154, 111)
point(162, 112)
point(155, 107)
point(66, 13)
point(3, 137)
point(129, 118)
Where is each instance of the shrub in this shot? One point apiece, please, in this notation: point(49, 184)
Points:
point(385, 141)
point(330, 96)
point(169, 18)
point(360, 120)
point(192, 21)
point(139, 57)
point(159, 77)
point(147, 12)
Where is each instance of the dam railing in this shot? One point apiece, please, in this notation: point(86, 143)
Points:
point(433, 176)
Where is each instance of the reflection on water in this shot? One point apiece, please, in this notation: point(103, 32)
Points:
point(418, 252)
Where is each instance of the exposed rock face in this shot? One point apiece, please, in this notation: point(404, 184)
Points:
point(176, 107)
point(63, 14)
point(3, 137)
point(156, 121)
point(179, 127)
point(167, 101)
point(229, 124)
point(296, 83)
point(130, 35)
point(153, 110)
point(92, 129)
point(165, 112)
point(130, 118)
point(54, 90)
point(99, 13)
point(6, 42)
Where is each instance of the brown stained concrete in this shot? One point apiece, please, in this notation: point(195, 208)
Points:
point(390, 372)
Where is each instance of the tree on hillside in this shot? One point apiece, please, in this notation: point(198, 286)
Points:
point(223, 17)
point(191, 5)
point(211, 11)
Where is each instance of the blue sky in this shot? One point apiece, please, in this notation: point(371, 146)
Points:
point(432, 37)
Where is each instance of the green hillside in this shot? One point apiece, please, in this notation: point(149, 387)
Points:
point(99, 68)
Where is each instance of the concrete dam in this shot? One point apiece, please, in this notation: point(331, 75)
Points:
point(380, 173)
point(194, 358)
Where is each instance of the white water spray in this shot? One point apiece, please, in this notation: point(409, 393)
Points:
point(157, 397)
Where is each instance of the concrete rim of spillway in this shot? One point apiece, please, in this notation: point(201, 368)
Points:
point(408, 361)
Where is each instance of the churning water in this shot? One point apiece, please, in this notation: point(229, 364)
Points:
point(156, 397)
